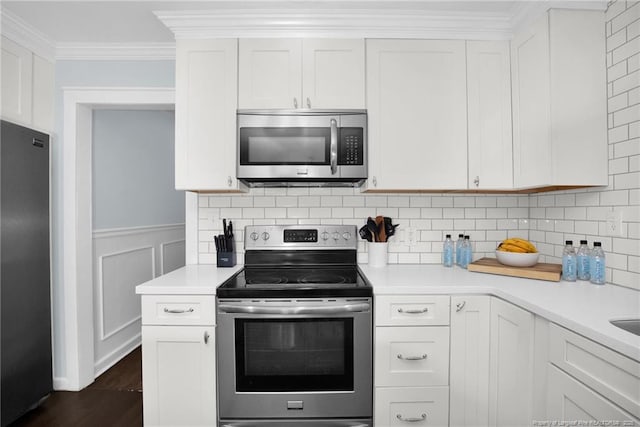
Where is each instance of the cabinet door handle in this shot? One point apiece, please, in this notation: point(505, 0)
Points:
point(295, 102)
point(375, 181)
point(460, 306)
point(308, 102)
point(421, 357)
point(206, 337)
point(229, 181)
point(412, 420)
point(420, 311)
point(476, 181)
point(178, 310)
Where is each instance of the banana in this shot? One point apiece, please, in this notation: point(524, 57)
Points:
point(516, 244)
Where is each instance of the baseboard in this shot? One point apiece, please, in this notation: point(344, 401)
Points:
point(117, 355)
point(61, 384)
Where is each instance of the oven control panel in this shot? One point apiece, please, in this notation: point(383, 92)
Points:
point(300, 237)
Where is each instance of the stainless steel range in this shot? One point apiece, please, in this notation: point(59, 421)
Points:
point(295, 331)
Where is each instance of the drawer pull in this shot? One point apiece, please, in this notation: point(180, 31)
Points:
point(206, 337)
point(401, 357)
point(177, 310)
point(460, 306)
point(424, 310)
point(411, 420)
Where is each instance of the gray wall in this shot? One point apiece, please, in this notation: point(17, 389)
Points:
point(133, 169)
point(74, 74)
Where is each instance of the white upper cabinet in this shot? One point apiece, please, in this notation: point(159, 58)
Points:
point(27, 87)
point(206, 103)
point(489, 115)
point(417, 105)
point(301, 73)
point(17, 72)
point(559, 101)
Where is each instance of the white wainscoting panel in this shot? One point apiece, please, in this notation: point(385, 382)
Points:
point(122, 259)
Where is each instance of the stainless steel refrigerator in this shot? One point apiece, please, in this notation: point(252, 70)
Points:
point(25, 297)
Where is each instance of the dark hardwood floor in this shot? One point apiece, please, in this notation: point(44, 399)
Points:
point(114, 399)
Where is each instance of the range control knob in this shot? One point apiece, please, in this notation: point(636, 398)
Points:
point(335, 235)
point(346, 235)
point(265, 236)
point(324, 235)
point(254, 236)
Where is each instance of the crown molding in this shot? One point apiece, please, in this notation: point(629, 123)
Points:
point(25, 35)
point(336, 23)
point(116, 51)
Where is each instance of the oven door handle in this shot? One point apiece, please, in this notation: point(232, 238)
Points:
point(285, 310)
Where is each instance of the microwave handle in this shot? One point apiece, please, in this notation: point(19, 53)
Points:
point(334, 146)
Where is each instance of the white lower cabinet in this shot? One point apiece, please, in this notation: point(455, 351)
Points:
point(587, 381)
point(571, 401)
point(178, 365)
point(511, 365)
point(418, 406)
point(411, 354)
point(469, 379)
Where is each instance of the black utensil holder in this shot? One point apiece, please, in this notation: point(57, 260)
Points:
point(226, 259)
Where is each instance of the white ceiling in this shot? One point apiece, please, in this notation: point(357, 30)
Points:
point(65, 23)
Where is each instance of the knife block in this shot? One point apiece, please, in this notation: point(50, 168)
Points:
point(226, 259)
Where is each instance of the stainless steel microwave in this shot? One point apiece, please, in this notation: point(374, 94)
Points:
point(302, 147)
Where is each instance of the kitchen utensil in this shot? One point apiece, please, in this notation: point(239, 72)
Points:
point(365, 233)
point(382, 235)
point(389, 228)
point(373, 228)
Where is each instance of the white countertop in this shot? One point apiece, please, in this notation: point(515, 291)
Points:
point(582, 307)
point(195, 279)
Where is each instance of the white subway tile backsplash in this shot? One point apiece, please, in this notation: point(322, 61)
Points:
point(616, 39)
point(441, 202)
point(619, 134)
point(331, 201)
point(631, 14)
point(253, 213)
point(633, 63)
point(617, 166)
point(627, 180)
point(376, 201)
point(309, 201)
point(264, 201)
point(577, 213)
point(286, 201)
point(431, 212)
point(398, 201)
point(420, 201)
point(242, 202)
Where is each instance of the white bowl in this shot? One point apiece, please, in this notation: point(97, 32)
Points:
point(516, 259)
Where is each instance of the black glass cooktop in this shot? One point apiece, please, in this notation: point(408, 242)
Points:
point(296, 282)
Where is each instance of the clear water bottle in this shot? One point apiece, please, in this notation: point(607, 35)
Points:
point(569, 262)
point(447, 251)
point(597, 265)
point(468, 252)
point(583, 261)
point(459, 248)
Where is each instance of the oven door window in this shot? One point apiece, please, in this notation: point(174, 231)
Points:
point(274, 355)
point(285, 146)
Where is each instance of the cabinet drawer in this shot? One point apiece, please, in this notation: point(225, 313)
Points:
point(570, 400)
point(611, 374)
point(178, 310)
point(412, 356)
point(418, 406)
point(412, 310)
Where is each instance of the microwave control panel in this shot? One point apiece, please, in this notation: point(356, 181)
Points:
point(350, 146)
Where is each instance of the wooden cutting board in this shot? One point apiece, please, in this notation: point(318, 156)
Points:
point(541, 271)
